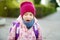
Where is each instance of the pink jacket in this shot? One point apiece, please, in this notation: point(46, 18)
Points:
point(24, 33)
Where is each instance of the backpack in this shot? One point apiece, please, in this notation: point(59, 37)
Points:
point(16, 24)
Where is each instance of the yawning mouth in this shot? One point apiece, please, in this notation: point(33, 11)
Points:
point(27, 20)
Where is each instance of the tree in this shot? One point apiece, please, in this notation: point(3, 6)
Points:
point(54, 2)
point(37, 1)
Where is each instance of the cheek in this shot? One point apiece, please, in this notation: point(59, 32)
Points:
point(31, 17)
point(24, 17)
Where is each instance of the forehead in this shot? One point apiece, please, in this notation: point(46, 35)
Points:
point(29, 13)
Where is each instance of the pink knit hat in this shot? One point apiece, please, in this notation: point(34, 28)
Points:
point(27, 7)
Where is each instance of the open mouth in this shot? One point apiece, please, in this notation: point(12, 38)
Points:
point(27, 20)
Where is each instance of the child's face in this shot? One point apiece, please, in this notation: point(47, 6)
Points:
point(28, 16)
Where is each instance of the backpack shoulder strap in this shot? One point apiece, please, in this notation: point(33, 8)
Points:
point(35, 29)
point(16, 24)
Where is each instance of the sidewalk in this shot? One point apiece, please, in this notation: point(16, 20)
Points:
point(50, 27)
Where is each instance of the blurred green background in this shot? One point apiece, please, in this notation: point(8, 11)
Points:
point(10, 8)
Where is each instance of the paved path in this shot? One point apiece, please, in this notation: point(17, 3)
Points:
point(50, 27)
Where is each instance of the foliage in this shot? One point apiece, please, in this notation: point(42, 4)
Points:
point(37, 1)
point(42, 10)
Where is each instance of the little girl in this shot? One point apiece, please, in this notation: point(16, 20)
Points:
point(26, 26)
